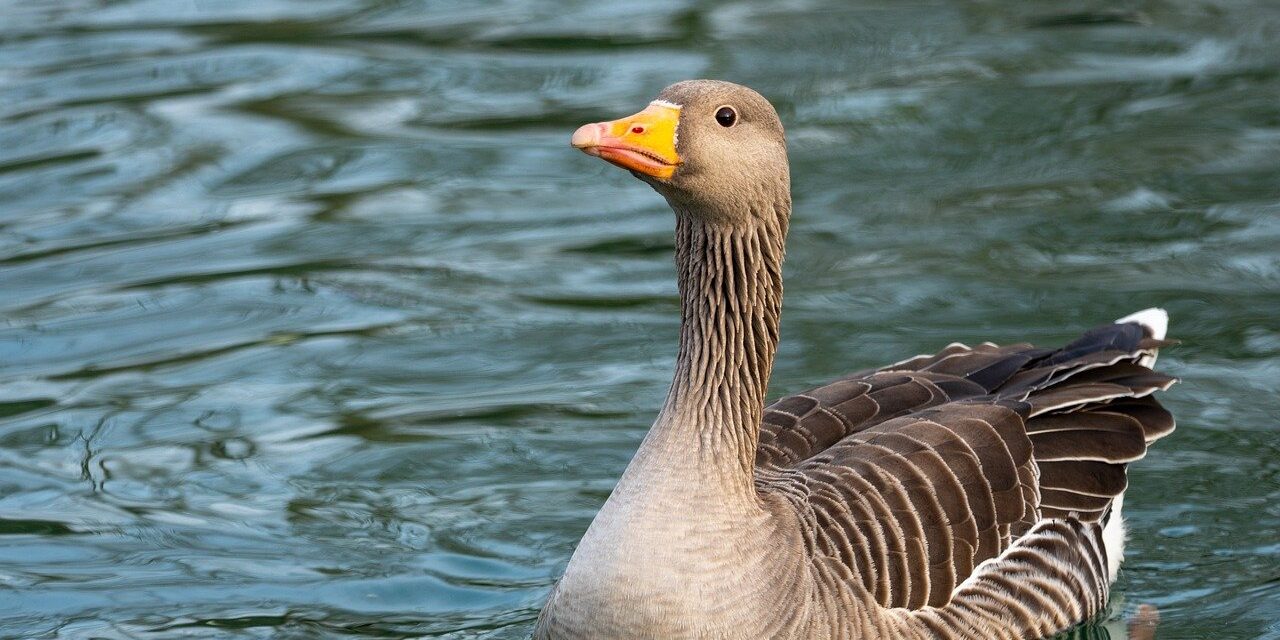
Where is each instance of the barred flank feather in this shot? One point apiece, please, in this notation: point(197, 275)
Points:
point(974, 485)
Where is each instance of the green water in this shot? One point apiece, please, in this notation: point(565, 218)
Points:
point(312, 325)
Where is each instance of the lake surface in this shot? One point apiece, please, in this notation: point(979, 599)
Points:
point(312, 325)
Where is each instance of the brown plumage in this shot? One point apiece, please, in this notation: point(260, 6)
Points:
point(971, 493)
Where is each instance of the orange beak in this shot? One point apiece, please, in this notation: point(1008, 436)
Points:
point(644, 143)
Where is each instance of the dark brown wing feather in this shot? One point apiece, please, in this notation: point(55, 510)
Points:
point(915, 474)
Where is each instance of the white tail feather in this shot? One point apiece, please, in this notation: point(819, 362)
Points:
point(1155, 319)
point(1113, 537)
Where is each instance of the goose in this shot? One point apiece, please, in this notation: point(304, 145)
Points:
point(971, 493)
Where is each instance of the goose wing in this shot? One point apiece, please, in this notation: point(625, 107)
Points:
point(912, 476)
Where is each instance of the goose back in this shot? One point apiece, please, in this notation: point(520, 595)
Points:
point(913, 476)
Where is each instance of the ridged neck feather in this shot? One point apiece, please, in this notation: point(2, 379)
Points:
point(729, 268)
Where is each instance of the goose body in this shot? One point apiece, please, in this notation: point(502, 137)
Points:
point(972, 493)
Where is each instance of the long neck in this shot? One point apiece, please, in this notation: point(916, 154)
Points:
point(730, 277)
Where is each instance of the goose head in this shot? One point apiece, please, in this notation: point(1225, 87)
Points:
point(713, 149)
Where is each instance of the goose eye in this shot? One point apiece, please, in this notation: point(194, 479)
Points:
point(726, 116)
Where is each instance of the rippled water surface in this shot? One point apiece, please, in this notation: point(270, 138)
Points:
point(312, 324)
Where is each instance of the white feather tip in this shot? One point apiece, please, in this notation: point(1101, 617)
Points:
point(1155, 319)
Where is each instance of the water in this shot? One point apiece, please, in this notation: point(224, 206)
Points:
point(313, 325)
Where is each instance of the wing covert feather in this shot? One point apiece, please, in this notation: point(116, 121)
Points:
point(932, 480)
